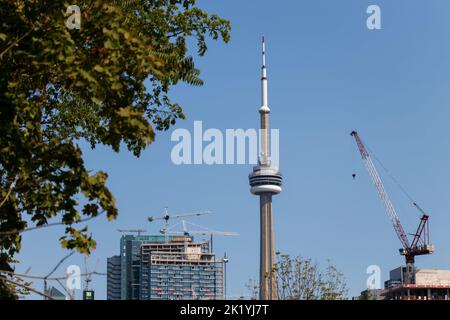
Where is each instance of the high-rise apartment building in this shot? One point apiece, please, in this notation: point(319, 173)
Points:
point(164, 267)
point(180, 269)
point(130, 262)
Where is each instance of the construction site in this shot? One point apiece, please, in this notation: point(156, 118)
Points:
point(406, 282)
point(168, 266)
point(172, 266)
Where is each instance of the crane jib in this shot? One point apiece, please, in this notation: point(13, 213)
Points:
point(421, 235)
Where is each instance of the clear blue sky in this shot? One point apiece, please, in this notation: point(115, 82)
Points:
point(328, 75)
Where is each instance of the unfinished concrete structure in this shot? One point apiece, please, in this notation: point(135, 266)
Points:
point(430, 284)
point(165, 267)
point(265, 181)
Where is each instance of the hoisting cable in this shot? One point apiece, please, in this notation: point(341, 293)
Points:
point(402, 189)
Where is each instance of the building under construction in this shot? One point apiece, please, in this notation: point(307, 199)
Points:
point(429, 284)
point(165, 267)
point(180, 269)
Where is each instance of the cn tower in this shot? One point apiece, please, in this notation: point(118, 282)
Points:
point(265, 181)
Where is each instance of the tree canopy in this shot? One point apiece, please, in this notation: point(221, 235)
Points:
point(299, 278)
point(106, 83)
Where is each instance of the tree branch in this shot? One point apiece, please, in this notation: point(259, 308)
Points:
point(51, 278)
point(18, 231)
point(27, 288)
point(11, 187)
point(71, 297)
point(17, 41)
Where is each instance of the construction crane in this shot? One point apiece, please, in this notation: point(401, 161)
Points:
point(166, 217)
point(87, 277)
point(138, 231)
point(420, 244)
point(88, 294)
point(202, 231)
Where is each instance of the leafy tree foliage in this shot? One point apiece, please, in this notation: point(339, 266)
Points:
point(299, 278)
point(107, 83)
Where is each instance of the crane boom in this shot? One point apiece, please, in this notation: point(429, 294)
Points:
point(390, 210)
point(201, 231)
point(166, 215)
point(138, 231)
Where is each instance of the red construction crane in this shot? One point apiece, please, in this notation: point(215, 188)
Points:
point(420, 244)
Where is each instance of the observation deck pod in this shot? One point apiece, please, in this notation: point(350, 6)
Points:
point(265, 179)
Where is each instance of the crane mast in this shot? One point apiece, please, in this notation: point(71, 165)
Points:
point(420, 244)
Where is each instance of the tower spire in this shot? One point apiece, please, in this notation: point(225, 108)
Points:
point(264, 112)
point(263, 58)
point(264, 101)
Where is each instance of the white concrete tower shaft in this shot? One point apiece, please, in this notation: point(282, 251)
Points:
point(265, 181)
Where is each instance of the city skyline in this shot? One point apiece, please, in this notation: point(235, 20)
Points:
point(329, 75)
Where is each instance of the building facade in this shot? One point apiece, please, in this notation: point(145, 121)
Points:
point(180, 269)
point(430, 284)
point(55, 294)
point(164, 267)
point(113, 291)
point(130, 263)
